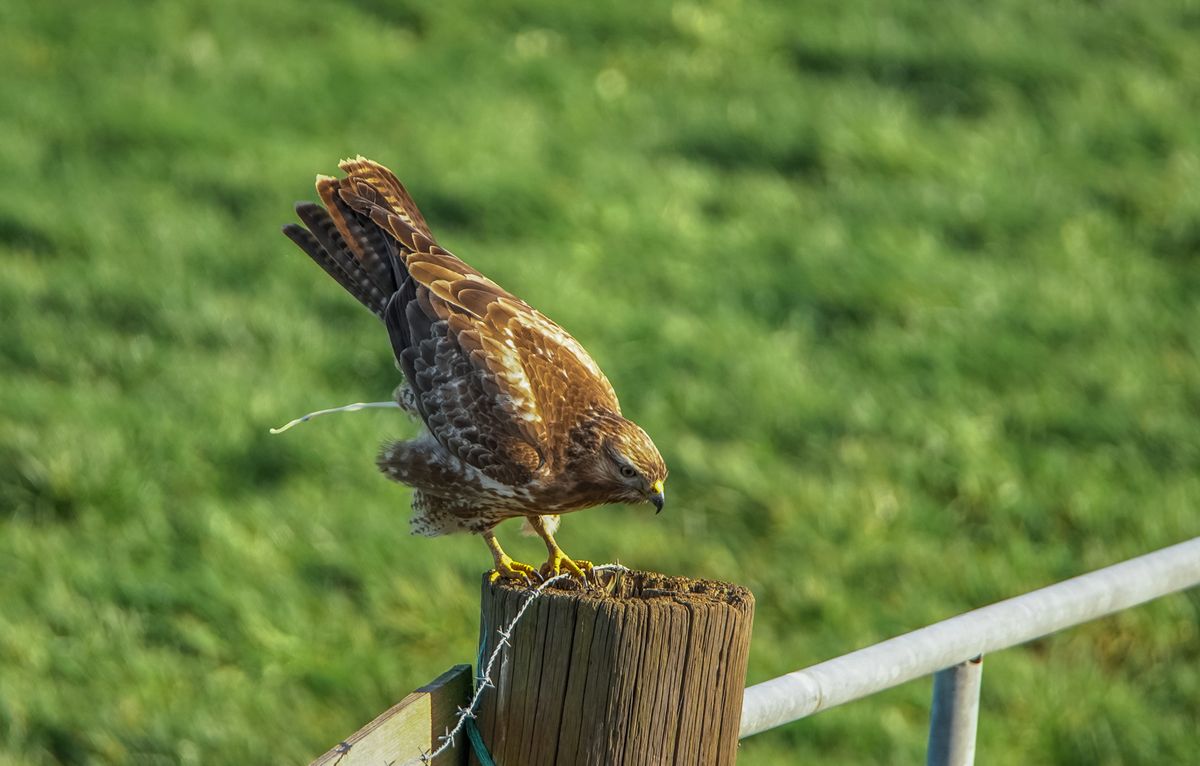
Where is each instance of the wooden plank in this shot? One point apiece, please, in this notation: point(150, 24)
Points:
point(447, 693)
point(555, 676)
point(409, 728)
point(583, 633)
point(522, 694)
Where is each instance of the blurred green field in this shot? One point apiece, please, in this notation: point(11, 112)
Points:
point(908, 294)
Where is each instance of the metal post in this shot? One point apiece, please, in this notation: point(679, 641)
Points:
point(955, 714)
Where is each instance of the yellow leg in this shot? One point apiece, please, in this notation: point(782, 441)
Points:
point(558, 560)
point(505, 566)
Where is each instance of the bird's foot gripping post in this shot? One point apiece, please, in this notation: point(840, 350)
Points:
point(559, 562)
point(630, 668)
point(506, 568)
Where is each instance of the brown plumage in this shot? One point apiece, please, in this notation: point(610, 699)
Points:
point(519, 421)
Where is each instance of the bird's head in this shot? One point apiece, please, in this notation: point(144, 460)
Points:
point(629, 466)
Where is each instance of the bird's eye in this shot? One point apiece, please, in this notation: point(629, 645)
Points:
point(628, 471)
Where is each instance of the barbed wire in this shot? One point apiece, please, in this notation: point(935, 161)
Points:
point(484, 681)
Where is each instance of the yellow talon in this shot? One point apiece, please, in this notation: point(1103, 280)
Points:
point(559, 561)
point(514, 570)
point(506, 567)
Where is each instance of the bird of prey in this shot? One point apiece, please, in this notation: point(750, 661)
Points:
point(518, 419)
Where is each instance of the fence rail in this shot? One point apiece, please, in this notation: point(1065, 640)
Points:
point(957, 640)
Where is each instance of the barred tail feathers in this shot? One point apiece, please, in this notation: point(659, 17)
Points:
point(367, 225)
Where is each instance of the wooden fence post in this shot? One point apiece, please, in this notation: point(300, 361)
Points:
point(645, 669)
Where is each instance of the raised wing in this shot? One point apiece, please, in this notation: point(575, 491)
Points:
point(498, 384)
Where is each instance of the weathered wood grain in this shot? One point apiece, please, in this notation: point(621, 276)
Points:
point(409, 728)
point(645, 669)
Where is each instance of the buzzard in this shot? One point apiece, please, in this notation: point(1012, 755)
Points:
point(518, 419)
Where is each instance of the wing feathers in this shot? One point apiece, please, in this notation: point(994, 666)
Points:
point(472, 298)
point(394, 195)
point(497, 384)
point(428, 273)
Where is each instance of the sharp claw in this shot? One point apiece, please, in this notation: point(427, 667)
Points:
point(514, 570)
point(560, 562)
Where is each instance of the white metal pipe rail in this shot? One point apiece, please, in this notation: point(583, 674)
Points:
point(979, 632)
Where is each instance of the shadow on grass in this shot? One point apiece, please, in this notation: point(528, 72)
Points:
point(29, 491)
point(941, 83)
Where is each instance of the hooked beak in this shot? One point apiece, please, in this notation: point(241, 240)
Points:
point(658, 497)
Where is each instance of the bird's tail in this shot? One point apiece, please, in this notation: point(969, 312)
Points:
point(353, 237)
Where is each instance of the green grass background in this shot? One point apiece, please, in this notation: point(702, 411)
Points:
point(907, 293)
